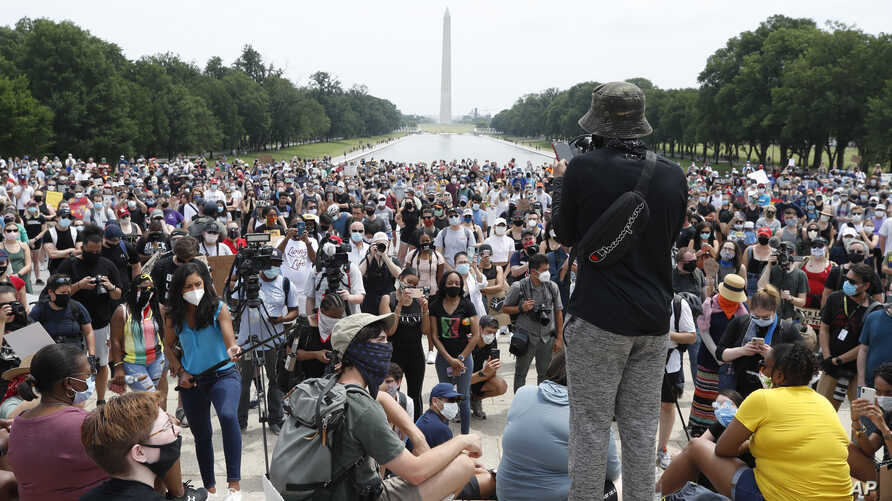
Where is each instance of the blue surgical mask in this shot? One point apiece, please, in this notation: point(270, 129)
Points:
point(64, 223)
point(82, 396)
point(704, 236)
point(763, 322)
point(725, 413)
point(849, 289)
point(271, 273)
point(356, 237)
point(463, 268)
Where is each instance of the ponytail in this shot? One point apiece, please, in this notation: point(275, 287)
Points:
point(766, 298)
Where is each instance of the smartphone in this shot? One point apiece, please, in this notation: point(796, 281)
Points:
point(494, 353)
point(759, 340)
point(301, 227)
point(563, 150)
point(415, 292)
point(868, 393)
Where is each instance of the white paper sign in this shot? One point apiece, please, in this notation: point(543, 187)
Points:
point(760, 176)
point(28, 340)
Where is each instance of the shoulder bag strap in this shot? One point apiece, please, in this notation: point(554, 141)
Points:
point(643, 184)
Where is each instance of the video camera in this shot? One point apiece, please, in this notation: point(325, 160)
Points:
point(566, 150)
point(256, 256)
point(334, 258)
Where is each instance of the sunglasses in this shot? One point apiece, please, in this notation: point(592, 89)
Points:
point(427, 217)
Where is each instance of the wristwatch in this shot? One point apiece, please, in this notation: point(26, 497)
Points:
point(461, 357)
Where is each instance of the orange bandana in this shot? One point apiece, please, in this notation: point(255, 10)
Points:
point(727, 306)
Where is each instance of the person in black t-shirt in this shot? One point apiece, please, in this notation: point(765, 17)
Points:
point(841, 320)
point(122, 254)
point(35, 227)
point(153, 241)
point(616, 338)
point(410, 307)
point(96, 284)
point(185, 249)
point(136, 442)
point(452, 320)
point(65, 319)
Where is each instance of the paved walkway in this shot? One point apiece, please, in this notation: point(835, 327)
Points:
point(490, 429)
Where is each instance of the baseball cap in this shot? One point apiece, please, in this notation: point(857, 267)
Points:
point(764, 231)
point(156, 213)
point(468, 212)
point(500, 221)
point(347, 328)
point(444, 390)
point(178, 233)
point(113, 231)
point(848, 231)
point(749, 225)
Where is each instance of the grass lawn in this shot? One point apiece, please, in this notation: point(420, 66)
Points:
point(314, 150)
point(542, 144)
point(452, 128)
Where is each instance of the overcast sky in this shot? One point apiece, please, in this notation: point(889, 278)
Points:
point(501, 49)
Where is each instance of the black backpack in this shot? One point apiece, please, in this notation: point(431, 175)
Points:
point(696, 310)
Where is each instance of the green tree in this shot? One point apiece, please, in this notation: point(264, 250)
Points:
point(27, 124)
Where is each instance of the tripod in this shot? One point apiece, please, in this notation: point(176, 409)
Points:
point(248, 299)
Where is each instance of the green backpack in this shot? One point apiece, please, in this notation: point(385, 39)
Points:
point(301, 462)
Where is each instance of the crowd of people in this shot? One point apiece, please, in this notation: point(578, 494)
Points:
point(779, 278)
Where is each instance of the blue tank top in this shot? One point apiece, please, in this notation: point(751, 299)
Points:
point(203, 348)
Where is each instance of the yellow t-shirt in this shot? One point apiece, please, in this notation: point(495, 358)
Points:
point(799, 444)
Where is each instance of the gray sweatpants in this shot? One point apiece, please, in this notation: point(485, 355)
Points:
point(611, 374)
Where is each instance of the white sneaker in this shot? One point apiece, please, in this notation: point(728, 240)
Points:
point(663, 459)
point(431, 357)
point(233, 495)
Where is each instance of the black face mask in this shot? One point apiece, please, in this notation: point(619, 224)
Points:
point(170, 453)
point(763, 240)
point(62, 300)
point(3, 269)
point(690, 266)
point(91, 258)
point(856, 257)
point(518, 223)
point(427, 245)
point(452, 291)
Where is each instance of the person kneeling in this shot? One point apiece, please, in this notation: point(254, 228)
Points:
point(484, 382)
point(136, 442)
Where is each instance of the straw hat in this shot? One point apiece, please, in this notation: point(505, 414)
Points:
point(23, 368)
point(733, 288)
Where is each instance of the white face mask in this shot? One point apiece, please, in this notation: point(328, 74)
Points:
point(211, 238)
point(488, 338)
point(449, 411)
point(818, 252)
point(532, 223)
point(500, 230)
point(326, 326)
point(545, 276)
point(885, 403)
point(193, 297)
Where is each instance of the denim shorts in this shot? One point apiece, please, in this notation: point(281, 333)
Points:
point(743, 486)
point(153, 372)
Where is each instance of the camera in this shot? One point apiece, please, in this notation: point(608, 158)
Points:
point(542, 314)
point(256, 256)
point(335, 256)
point(100, 289)
point(784, 254)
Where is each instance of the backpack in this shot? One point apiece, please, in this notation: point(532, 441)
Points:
point(301, 462)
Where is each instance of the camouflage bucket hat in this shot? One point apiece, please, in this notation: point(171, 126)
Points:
point(617, 111)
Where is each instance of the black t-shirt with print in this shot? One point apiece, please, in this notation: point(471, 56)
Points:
point(453, 329)
point(100, 306)
point(33, 224)
point(116, 489)
point(408, 331)
point(152, 242)
point(63, 241)
point(842, 312)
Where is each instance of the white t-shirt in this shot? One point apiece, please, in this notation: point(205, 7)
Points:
point(474, 294)
point(357, 253)
point(502, 247)
point(214, 195)
point(886, 231)
point(351, 283)
point(297, 267)
point(685, 324)
point(272, 294)
point(189, 211)
point(211, 250)
point(450, 242)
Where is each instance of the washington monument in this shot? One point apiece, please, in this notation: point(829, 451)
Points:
point(446, 72)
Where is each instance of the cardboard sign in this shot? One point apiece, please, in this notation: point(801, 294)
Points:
point(28, 340)
point(219, 266)
point(811, 317)
point(53, 198)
